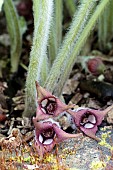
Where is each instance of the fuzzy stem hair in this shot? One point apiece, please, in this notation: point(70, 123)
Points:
point(105, 27)
point(79, 44)
point(56, 30)
point(42, 19)
point(79, 21)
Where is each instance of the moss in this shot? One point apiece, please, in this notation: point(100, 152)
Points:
point(98, 165)
point(50, 158)
point(103, 141)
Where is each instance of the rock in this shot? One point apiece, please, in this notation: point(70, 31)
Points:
point(86, 153)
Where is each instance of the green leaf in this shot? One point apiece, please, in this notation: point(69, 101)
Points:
point(23, 25)
point(14, 32)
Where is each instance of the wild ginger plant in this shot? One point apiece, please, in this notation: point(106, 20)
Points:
point(53, 79)
point(82, 24)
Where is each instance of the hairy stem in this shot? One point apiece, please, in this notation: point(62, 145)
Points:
point(42, 19)
point(80, 19)
point(58, 19)
point(71, 6)
point(79, 44)
point(45, 70)
point(56, 31)
point(105, 26)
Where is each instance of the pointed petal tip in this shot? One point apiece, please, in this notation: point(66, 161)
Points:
point(37, 85)
point(91, 135)
point(107, 109)
point(36, 82)
point(95, 138)
point(70, 106)
point(37, 89)
point(62, 135)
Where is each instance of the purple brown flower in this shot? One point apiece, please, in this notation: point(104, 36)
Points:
point(48, 104)
point(47, 134)
point(88, 120)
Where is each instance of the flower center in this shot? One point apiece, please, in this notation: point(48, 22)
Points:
point(47, 135)
point(88, 120)
point(48, 105)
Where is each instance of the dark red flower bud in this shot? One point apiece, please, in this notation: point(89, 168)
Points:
point(24, 9)
point(3, 117)
point(95, 66)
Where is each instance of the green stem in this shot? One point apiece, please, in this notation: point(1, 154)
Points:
point(14, 32)
point(79, 44)
point(71, 6)
point(45, 70)
point(105, 26)
point(63, 56)
point(42, 23)
point(58, 19)
point(56, 31)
